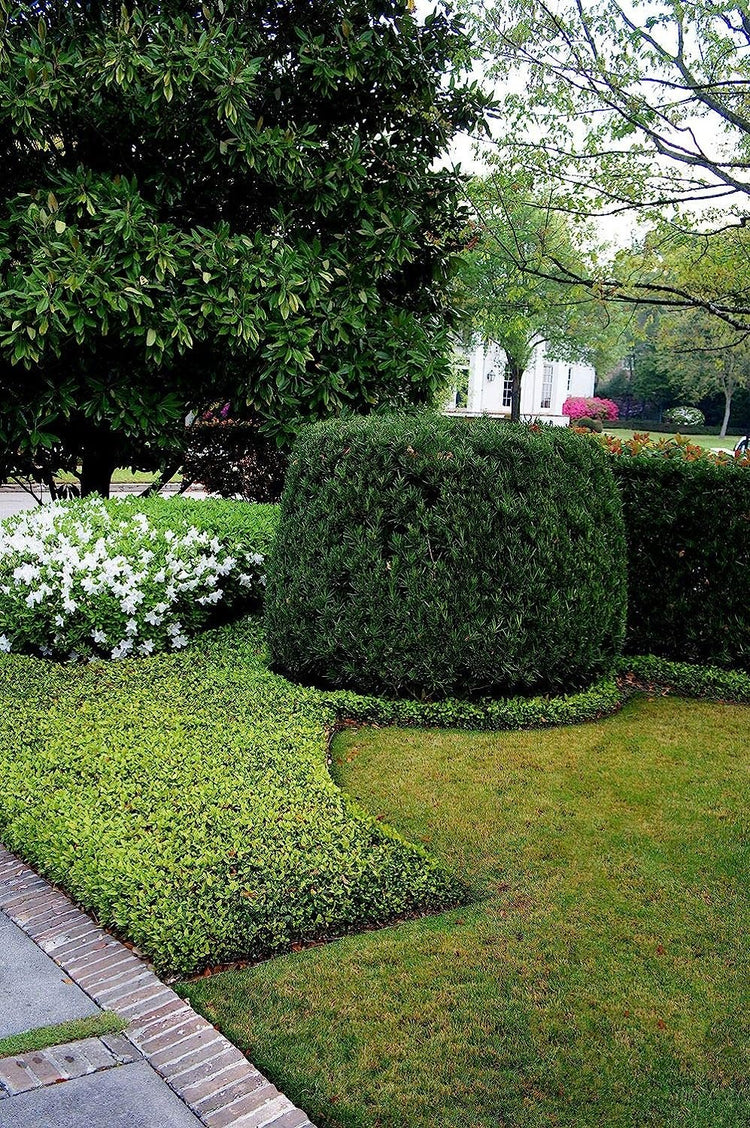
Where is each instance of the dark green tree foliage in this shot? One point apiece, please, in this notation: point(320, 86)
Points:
point(230, 202)
point(425, 557)
point(688, 559)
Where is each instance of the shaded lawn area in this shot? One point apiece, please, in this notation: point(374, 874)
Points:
point(727, 442)
point(601, 976)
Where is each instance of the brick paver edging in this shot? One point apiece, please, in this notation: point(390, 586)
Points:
point(215, 1080)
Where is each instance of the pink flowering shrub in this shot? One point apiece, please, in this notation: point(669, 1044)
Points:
point(593, 407)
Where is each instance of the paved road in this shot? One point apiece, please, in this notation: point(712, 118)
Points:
point(16, 500)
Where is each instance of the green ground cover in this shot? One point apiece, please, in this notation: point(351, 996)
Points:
point(707, 441)
point(600, 976)
point(186, 800)
point(93, 1026)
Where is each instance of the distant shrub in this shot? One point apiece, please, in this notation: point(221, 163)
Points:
point(687, 521)
point(428, 557)
point(684, 417)
point(586, 424)
point(90, 578)
point(591, 407)
point(676, 447)
point(232, 459)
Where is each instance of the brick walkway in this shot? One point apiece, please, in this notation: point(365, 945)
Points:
point(212, 1077)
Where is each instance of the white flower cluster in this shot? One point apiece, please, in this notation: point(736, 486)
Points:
point(93, 579)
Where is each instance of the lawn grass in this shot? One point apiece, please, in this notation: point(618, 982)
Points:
point(708, 441)
point(599, 978)
point(93, 1026)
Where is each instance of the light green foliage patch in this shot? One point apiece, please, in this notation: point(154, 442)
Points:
point(93, 1026)
point(186, 800)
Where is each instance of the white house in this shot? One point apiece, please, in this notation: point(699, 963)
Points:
point(545, 386)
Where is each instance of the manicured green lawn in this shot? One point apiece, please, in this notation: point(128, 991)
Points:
point(600, 977)
point(707, 441)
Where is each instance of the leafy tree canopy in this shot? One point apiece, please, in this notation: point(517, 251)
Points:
point(638, 109)
point(224, 202)
point(511, 295)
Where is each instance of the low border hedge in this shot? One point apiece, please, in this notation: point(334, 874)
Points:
point(686, 680)
point(491, 714)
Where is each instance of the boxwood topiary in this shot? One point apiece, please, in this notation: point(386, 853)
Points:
point(586, 423)
point(423, 556)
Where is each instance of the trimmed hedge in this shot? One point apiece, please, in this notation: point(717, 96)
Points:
point(687, 528)
point(430, 557)
point(645, 425)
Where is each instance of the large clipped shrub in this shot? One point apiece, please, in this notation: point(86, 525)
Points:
point(425, 556)
point(687, 524)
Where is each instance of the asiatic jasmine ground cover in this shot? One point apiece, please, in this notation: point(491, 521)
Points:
point(185, 799)
point(130, 576)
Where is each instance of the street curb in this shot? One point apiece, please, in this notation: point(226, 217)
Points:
point(214, 1079)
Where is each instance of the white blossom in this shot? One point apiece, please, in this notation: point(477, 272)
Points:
point(89, 561)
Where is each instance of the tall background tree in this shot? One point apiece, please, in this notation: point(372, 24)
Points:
point(235, 202)
point(520, 308)
point(704, 361)
point(627, 110)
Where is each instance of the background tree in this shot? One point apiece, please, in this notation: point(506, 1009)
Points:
point(519, 308)
point(704, 362)
point(232, 203)
point(621, 109)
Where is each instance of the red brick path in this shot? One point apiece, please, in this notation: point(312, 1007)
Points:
point(215, 1080)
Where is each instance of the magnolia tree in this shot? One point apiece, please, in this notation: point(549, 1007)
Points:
point(204, 204)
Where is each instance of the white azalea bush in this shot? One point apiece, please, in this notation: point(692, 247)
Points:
point(685, 417)
point(123, 578)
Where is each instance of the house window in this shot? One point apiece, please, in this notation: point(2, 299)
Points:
point(547, 386)
point(507, 391)
point(570, 377)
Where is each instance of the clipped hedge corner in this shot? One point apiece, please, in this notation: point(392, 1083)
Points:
point(428, 557)
point(688, 557)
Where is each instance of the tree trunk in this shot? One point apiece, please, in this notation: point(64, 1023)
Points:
point(727, 409)
point(96, 472)
point(516, 374)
